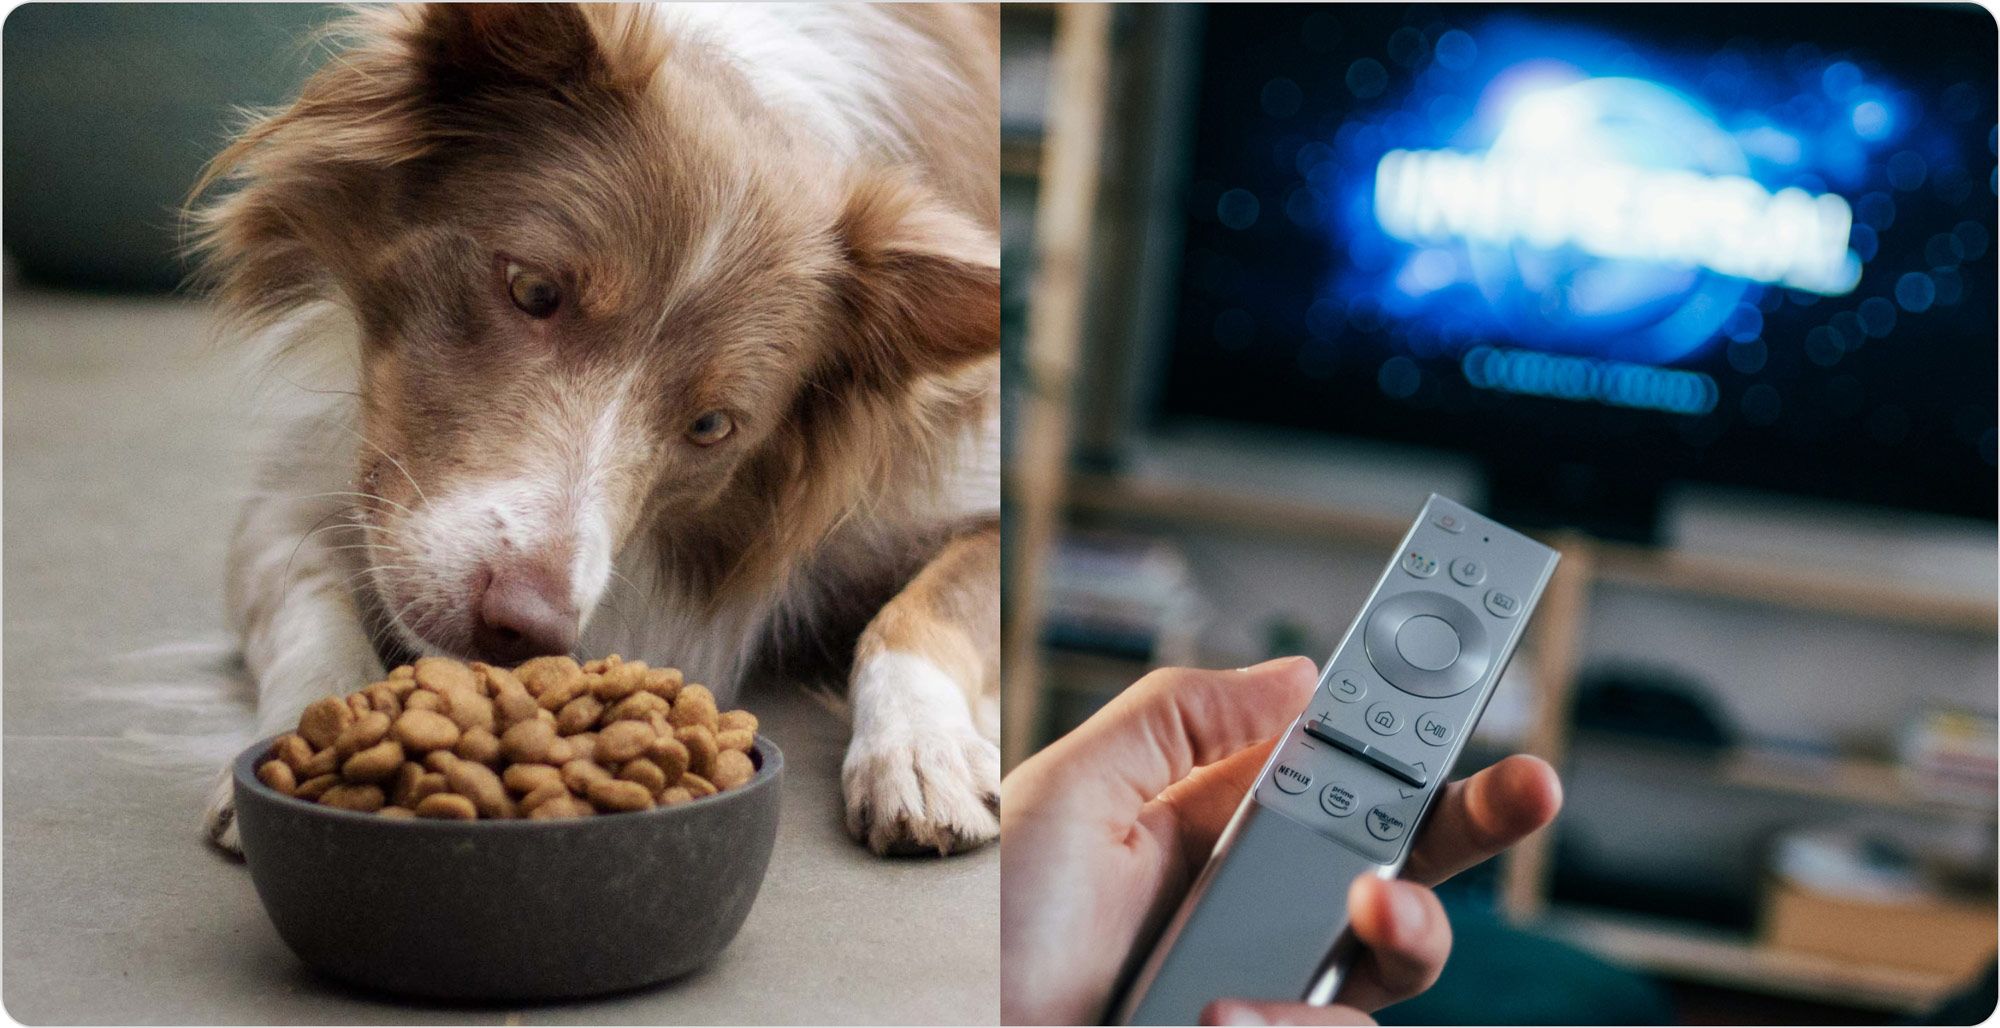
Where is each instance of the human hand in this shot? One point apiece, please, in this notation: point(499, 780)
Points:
point(1105, 829)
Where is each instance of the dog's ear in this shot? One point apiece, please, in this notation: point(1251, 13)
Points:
point(919, 285)
point(466, 48)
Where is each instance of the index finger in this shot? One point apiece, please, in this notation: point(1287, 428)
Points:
point(1171, 722)
point(1482, 815)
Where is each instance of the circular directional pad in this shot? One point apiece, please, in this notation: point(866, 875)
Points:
point(1427, 644)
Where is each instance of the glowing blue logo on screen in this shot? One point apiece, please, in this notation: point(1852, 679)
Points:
point(1610, 216)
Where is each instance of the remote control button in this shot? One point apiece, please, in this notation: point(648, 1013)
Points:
point(1466, 571)
point(1427, 642)
point(1385, 623)
point(1449, 522)
point(1434, 729)
point(1501, 604)
point(1338, 800)
point(1384, 721)
point(1386, 826)
point(1346, 686)
point(1292, 779)
point(1414, 774)
point(1419, 565)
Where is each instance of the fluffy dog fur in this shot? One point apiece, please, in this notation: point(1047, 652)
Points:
point(776, 223)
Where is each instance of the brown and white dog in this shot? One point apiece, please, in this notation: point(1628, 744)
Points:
point(669, 331)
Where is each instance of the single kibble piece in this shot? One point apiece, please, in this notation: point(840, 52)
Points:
point(620, 795)
point(579, 775)
point(664, 682)
point(640, 706)
point(479, 745)
point(478, 783)
point(542, 795)
point(325, 762)
point(695, 706)
point(442, 674)
point(698, 785)
point(358, 704)
point(733, 768)
point(622, 741)
point(562, 806)
point(700, 743)
point(365, 798)
point(735, 739)
point(403, 671)
point(469, 710)
point(736, 721)
point(278, 775)
point(512, 705)
point(646, 773)
point(422, 731)
point(671, 755)
point(293, 749)
point(582, 745)
point(366, 731)
point(424, 700)
point(675, 795)
point(526, 778)
point(448, 806)
point(323, 722)
point(542, 672)
point(377, 763)
point(312, 788)
point(528, 742)
point(439, 760)
point(403, 788)
point(397, 812)
point(579, 715)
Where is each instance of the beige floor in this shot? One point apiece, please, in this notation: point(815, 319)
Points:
point(123, 454)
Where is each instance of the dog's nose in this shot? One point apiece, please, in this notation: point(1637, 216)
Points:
point(524, 613)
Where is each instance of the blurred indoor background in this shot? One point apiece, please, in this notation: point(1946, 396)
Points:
point(1273, 274)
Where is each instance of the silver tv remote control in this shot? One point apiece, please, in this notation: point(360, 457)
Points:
point(1347, 787)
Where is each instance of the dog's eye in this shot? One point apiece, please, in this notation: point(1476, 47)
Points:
point(536, 294)
point(710, 428)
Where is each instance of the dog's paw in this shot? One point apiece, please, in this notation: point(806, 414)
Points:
point(218, 821)
point(922, 792)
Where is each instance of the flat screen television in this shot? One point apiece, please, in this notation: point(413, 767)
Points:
point(1605, 249)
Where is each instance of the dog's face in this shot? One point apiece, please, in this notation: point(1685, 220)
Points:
point(599, 293)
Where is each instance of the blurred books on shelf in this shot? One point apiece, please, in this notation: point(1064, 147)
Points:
point(1118, 605)
point(1122, 596)
point(1951, 752)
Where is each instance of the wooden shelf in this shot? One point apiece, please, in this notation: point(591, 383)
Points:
point(1713, 957)
point(1746, 579)
point(1763, 582)
point(1842, 779)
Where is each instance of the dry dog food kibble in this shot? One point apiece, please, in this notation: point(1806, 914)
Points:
point(549, 739)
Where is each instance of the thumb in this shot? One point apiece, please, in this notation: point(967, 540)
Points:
point(1243, 1011)
point(1173, 721)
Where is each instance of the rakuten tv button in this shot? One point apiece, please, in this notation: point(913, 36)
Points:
point(1386, 826)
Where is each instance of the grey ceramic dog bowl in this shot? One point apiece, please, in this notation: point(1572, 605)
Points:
point(509, 909)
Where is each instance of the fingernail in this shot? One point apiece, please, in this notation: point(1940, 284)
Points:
point(1226, 1012)
point(1271, 665)
point(1406, 911)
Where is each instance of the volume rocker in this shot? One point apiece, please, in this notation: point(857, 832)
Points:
point(1335, 737)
